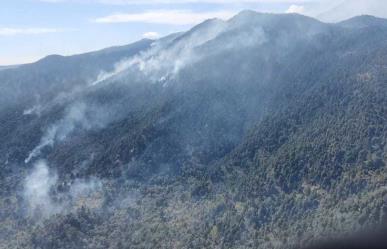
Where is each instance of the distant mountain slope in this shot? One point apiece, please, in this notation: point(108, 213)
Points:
point(263, 131)
point(56, 73)
point(345, 9)
point(363, 22)
point(7, 67)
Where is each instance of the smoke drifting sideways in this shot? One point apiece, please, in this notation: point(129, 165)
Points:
point(78, 115)
point(169, 55)
point(43, 200)
point(161, 63)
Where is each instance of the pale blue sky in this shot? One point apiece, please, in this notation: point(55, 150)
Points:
point(31, 29)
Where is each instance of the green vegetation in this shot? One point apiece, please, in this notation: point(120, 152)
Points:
point(270, 146)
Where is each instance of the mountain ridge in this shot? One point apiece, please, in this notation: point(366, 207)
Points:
point(265, 131)
point(246, 13)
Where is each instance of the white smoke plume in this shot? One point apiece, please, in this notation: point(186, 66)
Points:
point(39, 194)
point(166, 58)
point(76, 116)
point(162, 62)
point(119, 68)
point(37, 188)
point(35, 110)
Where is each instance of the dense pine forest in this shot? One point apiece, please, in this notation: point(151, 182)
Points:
point(262, 131)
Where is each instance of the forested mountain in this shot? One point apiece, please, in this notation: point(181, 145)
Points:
point(344, 9)
point(262, 131)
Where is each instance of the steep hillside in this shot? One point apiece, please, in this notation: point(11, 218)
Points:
point(263, 131)
point(43, 80)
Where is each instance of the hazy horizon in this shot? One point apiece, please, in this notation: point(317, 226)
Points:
point(33, 29)
point(248, 130)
